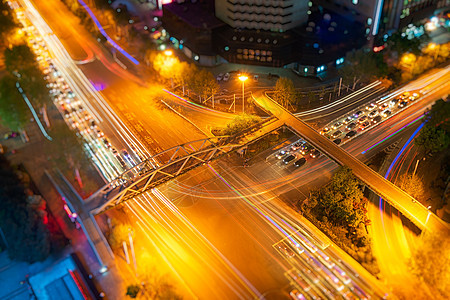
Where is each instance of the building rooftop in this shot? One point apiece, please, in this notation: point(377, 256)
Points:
point(199, 14)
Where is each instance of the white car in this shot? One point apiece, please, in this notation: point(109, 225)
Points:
point(371, 106)
point(219, 77)
point(226, 77)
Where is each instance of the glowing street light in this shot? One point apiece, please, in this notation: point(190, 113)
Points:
point(243, 78)
point(168, 52)
point(428, 216)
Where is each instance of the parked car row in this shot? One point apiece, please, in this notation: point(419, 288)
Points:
point(297, 152)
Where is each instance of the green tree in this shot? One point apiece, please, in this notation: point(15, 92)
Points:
point(403, 44)
point(284, 92)
point(133, 290)
point(7, 23)
point(118, 234)
point(26, 234)
point(14, 112)
point(430, 262)
point(432, 139)
point(363, 66)
point(240, 123)
point(21, 60)
point(413, 185)
point(439, 115)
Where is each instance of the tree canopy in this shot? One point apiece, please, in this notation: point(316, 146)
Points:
point(14, 112)
point(240, 123)
point(26, 234)
point(7, 23)
point(435, 135)
point(430, 262)
point(362, 66)
point(413, 185)
point(284, 92)
point(341, 201)
point(21, 60)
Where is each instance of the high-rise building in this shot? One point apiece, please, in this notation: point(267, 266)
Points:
point(272, 15)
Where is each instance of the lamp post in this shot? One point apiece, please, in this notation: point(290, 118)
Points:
point(428, 216)
point(243, 78)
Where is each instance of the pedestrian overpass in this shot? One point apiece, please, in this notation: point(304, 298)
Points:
point(395, 196)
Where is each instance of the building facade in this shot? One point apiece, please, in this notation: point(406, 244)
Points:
point(271, 15)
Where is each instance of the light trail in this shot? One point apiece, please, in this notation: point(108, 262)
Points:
point(392, 134)
point(102, 31)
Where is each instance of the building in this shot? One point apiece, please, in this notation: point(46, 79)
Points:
point(274, 15)
point(290, 33)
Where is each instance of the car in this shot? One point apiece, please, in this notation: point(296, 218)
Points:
point(296, 295)
point(226, 77)
point(393, 102)
point(371, 106)
point(325, 131)
point(336, 134)
point(377, 119)
point(351, 126)
point(383, 106)
point(348, 119)
point(357, 114)
point(300, 162)
point(404, 95)
point(106, 142)
point(281, 154)
point(286, 250)
point(336, 125)
point(99, 133)
point(362, 119)
point(305, 149)
point(402, 104)
point(373, 114)
point(288, 159)
point(386, 113)
point(297, 145)
point(364, 125)
point(414, 96)
point(350, 134)
point(337, 141)
point(314, 153)
point(219, 77)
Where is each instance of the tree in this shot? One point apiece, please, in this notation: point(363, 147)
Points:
point(401, 43)
point(14, 112)
point(118, 234)
point(363, 66)
point(19, 58)
point(20, 61)
point(413, 185)
point(240, 123)
point(439, 115)
point(133, 290)
point(430, 262)
point(284, 92)
point(432, 139)
point(7, 23)
point(26, 234)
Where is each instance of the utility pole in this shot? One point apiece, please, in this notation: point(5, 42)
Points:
point(340, 83)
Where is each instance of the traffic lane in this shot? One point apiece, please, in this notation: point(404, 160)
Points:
point(52, 11)
point(240, 234)
point(322, 118)
point(187, 252)
point(65, 22)
point(159, 128)
point(203, 117)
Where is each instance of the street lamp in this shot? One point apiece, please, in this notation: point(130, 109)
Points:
point(428, 216)
point(243, 78)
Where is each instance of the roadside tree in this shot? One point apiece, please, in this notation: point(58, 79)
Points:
point(7, 23)
point(284, 93)
point(240, 123)
point(14, 112)
point(413, 185)
point(25, 231)
point(432, 139)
